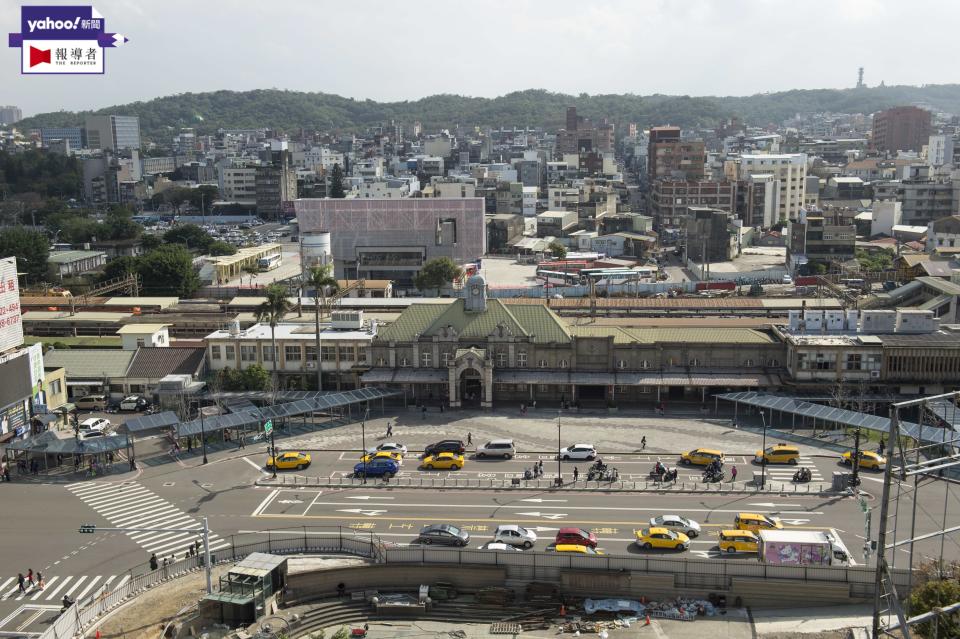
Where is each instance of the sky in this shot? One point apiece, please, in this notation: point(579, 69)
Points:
point(388, 50)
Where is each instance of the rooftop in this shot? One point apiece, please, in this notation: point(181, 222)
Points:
point(139, 329)
point(65, 257)
point(90, 363)
point(292, 331)
point(156, 363)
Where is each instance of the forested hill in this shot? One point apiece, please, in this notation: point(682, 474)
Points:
point(288, 110)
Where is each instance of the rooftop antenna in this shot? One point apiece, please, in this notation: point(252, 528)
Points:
point(860, 78)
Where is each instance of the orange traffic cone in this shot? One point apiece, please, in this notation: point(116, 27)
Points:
point(648, 621)
point(98, 634)
point(563, 610)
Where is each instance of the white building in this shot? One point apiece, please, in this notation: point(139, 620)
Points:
point(238, 184)
point(886, 215)
point(136, 336)
point(940, 150)
point(390, 188)
point(789, 172)
point(319, 159)
point(530, 201)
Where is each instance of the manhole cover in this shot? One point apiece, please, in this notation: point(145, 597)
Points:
point(167, 484)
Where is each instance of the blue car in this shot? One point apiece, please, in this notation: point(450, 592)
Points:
point(379, 467)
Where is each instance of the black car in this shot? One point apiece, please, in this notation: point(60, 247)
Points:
point(445, 446)
point(443, 535)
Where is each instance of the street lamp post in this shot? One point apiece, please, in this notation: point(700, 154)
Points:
point(203, 432)
point(763, 452)
point(559, 470)
point(363, 444)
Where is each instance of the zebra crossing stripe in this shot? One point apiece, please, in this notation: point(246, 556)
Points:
point(53, 593)
point(93, 582)
point(40, 592)
point(76, 584)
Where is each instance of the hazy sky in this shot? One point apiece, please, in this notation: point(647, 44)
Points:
point(390, 50)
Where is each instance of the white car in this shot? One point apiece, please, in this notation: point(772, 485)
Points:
point(579, 452)
point(787, 279)
point(515, 535)
point(677, 523)
point(496, 545)
point(497, 448)
point(95, 423)
point(390, 446)
point(90, 434)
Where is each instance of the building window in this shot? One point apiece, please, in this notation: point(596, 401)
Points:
point(542, 363)
point(501, 359)
point(267, 353)
point(694, 362)
point(248, 353)
point(140, 342)
point(773, 362)
point(311, 353)
point(345, 352)
point(404, 362)
point(622, 390)
point(381, 361)
point(292, 353)
point(229, 352)
point(748, 363)
point(328, 353)
point(564, 363)
point(644, 364)
point(522, 359)
point(426, 360)
point(55, 387)
point(214, 352)
point(854, 362)
point(445, 357)
point(361, 354)
point(621, 364)
point(543, 388)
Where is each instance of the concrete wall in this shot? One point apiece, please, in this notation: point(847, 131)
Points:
point(386, 577)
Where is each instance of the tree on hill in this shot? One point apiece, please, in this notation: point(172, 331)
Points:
point(190, 235)
point(437, 273)
point(558, 250)
point(168, 270)
point(219, 247)
point(31, 249)
point(336, 183)
point(120, 267)
point(119, 225)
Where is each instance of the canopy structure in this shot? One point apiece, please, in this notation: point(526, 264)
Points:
point(925, 434)
point(305, 403)
point(48, 443)
point(150, 422)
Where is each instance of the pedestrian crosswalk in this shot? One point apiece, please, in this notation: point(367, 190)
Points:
point(785, 473)
point(77, 587)
point(131, 505)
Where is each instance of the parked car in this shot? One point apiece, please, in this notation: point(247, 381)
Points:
point(515, 535)
point(290, 460)
point(443, 461)
point(575, 548)
point(755, 522)
point(868, 459)
point(95, 423)
point(443, 535)
point(649, 538)
point(384, 454)
point(92, 402)
point(576, 536)
point(584, 452)
point(377, 468)
point(737, 541)
point(497, 448)
point(391, 446)
point(675, 522)
point(445, 446)
point(133, 402)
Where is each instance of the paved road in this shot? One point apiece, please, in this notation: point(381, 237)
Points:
point(41, 519)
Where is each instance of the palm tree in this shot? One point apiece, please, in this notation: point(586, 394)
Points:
point(322, 282)
point(272, 312)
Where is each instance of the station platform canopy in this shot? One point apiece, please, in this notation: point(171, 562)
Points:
point(854, 419)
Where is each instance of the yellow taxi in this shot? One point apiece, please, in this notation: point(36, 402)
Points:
point(443, 461)
point(868, 459)
point(577, 548)
point(737, 541)
point(290, 460)
point(755, 522)
point(392, 455)
point(701, 457)
point(778, 454)
point(648, 538)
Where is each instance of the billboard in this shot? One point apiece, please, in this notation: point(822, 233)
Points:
point(37, 392)
point(11, 329)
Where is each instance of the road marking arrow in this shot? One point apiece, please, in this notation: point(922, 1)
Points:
point(290, 501)
point(543, 529)
point(360, 511)
point(770, 504)
point(537, 500)
point(795, 522)
point(368, 497)
point(553, 516)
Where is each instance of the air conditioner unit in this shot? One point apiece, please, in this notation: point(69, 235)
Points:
point(874, 374)
point(311, 366)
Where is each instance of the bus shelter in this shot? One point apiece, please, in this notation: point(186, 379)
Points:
point(48, 454)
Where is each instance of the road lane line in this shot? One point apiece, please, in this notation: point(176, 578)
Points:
point(93, 582)
point(120, 583)
point(125, 509)
point(254, 464)
point(63, 583)
point(76, 584)
point(266, 502)
point(111, 496)
point(41, 592)
point(307, 509)
point(4, 584)
point(155, 514)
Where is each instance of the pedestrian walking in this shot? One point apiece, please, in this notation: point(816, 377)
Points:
point(469, 438)
point(733, 474)
point(20, 581)
point(153, 561)
point(576, 474)
point(540, 465)
point(30, 577)
point(389, 429)
point(643, 443)
point(441, 405)
point(423, 412)
point(533, 405)
point(882, 446)
point(523, 408)
point(240, 441)
point(41, 584)
point(3, 470)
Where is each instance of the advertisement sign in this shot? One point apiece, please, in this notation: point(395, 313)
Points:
point(38, 393)
point(63, 40)
point(11, 330)
point(13, 419)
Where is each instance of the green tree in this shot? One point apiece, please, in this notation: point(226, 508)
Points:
point(271, 312)
point(219, 247)
point(558, 250)
point(118, 225)
point(323, 283)
point(937, 593)
point(252, 270)
point(437, 273)
point(255, 378)
point(120, 267)
point(31, 249)
point(190, 235)
point(203, 196)
point(335, 189)
point(151, 241)
point(168, 270)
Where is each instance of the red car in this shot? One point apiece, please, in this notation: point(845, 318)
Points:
point(576, 536)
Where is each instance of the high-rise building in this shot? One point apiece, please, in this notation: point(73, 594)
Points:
point(940, 150)
point(669, 199)
point(113, 132)
point(275, 182)
point(73, 134)
point(10, 114)
point(669, 157)
point(900, 129)
point(583, 136)
point(789, 173)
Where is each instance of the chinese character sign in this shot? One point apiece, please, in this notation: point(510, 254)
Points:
point(63, 39)
point(11, 330)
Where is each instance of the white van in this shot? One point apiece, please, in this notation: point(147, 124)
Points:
point(497, 448)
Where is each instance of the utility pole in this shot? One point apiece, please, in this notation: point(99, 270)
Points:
point(882, 524)
point(855, 462)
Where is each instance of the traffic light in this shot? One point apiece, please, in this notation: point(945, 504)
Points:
point(88, 528)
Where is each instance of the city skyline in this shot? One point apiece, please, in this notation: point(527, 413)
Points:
point(599, 48)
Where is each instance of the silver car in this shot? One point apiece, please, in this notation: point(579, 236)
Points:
point(677, 523)
point(515, 535)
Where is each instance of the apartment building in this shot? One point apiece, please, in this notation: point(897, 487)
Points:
point(905, 128)
point(669, 199)
point(789, 174)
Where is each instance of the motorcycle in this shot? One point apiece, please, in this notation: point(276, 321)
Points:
point(802, 475)
point(712, 476)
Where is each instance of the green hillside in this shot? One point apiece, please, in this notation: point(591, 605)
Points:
point(289, 110)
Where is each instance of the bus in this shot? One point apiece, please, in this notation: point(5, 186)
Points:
point(558, 278)
point(617, 275)
point(269, 262)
